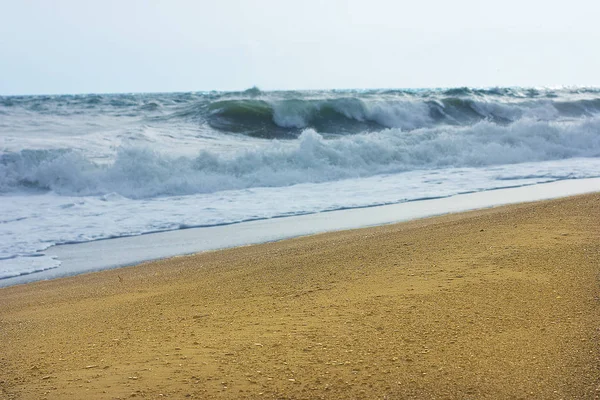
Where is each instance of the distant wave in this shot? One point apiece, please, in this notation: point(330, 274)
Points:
point(143, 172)
point(285, 115)
point(350, 115)
point(345, 115)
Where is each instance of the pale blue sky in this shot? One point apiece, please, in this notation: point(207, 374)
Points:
point(79, 46)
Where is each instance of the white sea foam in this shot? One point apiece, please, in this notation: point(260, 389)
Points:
point(84, 168)
point(31, 223)
point(143, 172)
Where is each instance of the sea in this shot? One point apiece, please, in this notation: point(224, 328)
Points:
point(83, 168)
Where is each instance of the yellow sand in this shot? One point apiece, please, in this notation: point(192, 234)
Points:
point(500, 303)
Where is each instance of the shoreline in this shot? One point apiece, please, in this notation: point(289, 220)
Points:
point(126, 251)
point(494, 303)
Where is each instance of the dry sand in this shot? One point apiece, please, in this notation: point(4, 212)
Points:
point(500, 303)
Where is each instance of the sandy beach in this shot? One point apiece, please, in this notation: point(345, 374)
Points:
point(499, 303)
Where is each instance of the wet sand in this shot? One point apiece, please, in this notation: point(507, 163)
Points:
point(499, 303)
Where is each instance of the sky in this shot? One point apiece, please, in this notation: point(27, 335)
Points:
point(107, 46)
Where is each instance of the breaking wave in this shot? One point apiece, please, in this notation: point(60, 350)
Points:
point(285, 115)
point(144, 172)
point(287, 118)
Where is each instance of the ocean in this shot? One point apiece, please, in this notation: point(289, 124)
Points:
point(82, 168)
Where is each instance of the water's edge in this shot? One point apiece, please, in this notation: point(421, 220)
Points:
point(120, 252)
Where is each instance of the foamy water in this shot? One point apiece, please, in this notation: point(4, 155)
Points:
point(83, 168)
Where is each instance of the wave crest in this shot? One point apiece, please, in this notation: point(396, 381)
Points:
point(141, 172)
point(267, 118)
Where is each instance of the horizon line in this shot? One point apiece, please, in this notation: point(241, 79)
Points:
point(254, 88)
